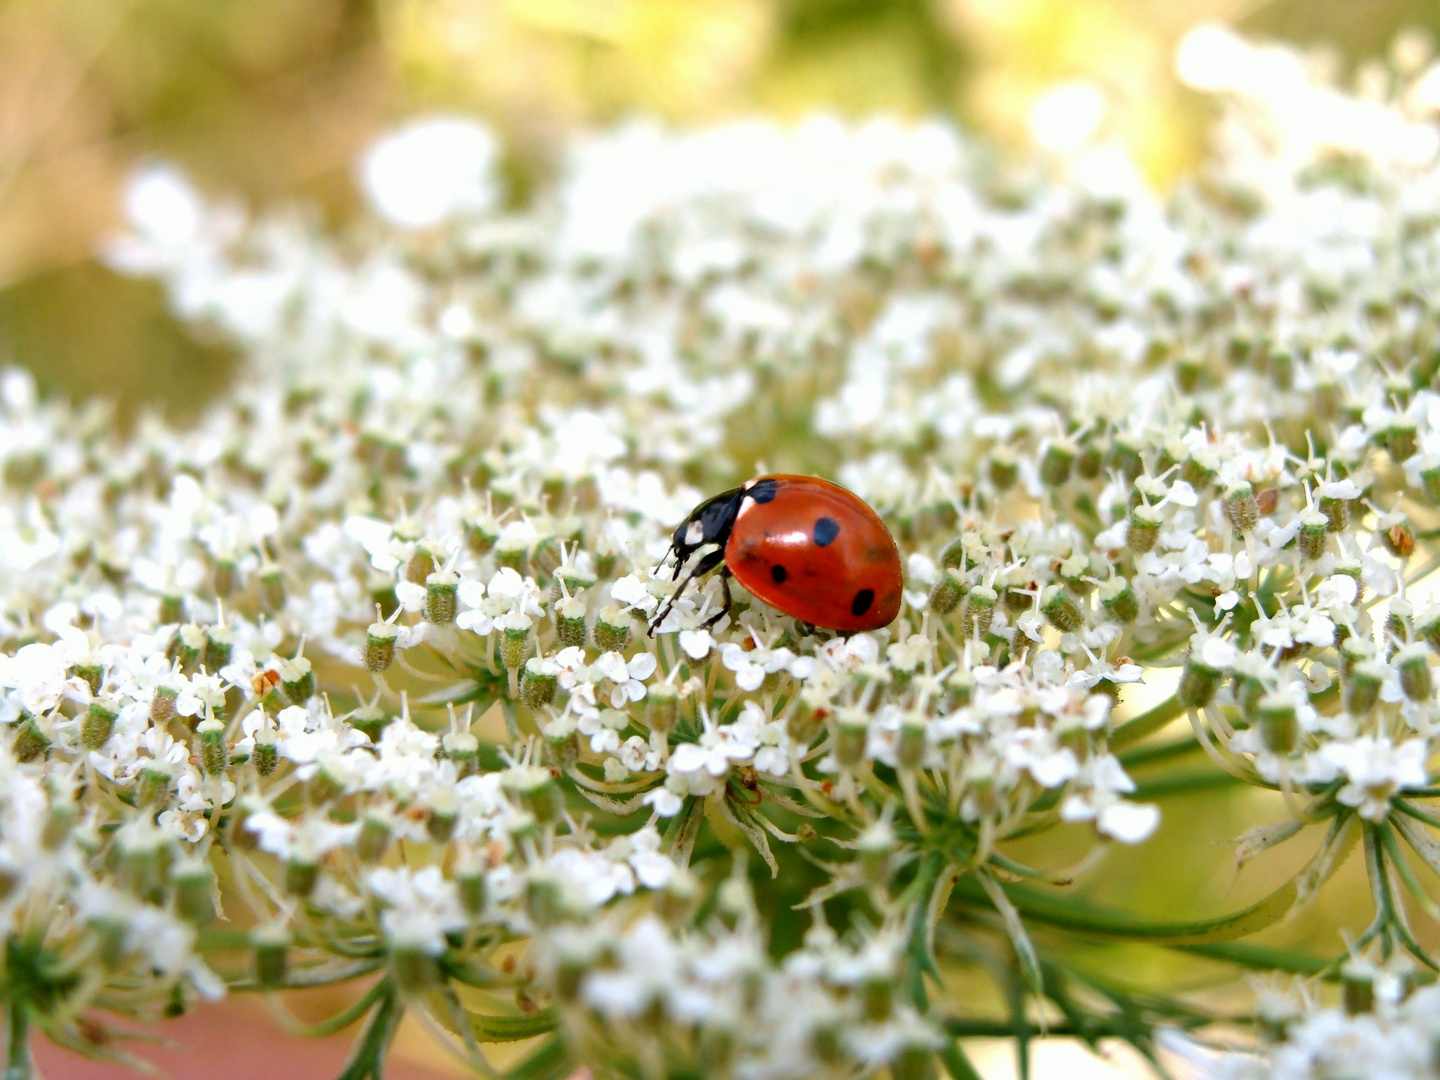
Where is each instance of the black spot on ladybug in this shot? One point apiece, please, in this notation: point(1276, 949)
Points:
point(778, 573)
point(826, 529)
point(762, 491)
point(863, 599)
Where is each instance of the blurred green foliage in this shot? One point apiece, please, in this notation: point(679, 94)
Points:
point(272, 100)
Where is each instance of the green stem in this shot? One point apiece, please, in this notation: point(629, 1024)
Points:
point(1078, 916)
point(1181, 783)
point(1148, 755)
point(344, 1018)
point(367, 1060)
point(1097, 1028)
point(17, 1054)
point(956, 1063)
point(1147, 723)
point(1264, 958)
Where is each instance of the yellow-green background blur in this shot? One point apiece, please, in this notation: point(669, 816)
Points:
point(271, 99)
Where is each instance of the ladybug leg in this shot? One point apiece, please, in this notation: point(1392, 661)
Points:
point(704, 566)
point(724, 608)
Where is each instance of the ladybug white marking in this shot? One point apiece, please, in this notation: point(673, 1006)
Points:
point(694, 533)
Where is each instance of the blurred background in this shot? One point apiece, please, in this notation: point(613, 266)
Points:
point(271, 101)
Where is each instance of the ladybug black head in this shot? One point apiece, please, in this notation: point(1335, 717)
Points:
point(708, 523)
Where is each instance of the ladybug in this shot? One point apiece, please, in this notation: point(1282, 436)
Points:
point(801, 544)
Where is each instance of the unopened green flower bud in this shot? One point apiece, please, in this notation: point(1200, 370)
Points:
point(266, 755)
point(29, 742)
point(297, 679)
point(1354, 650)
point(420, 566)
point(272, 589)
point(561, 741)
point(144, 863)
point(1125, 458)
point(481, 533)
point(1200, 469)
point(612, 629)
point(219, 646)
point(1282, 368)
point(373, 840)
point(874, 848)
point(1118, 598)
point(513, 552)
point(99, 722)
point(534, 788)
point(370, 719)
point(1198, 683)
point(945, 597)
point(1061, 610)
point(1427, 626)
point(877, 997)
point(1401, 438)
point(954, 555)
point(186, 645)
point(172, 609)
point(214, 751)
point(162, 705)
point(537, 685)
point(1430, 480)
point(444, 814)
point(1004, 468)
point(301, 874)
point(852, 731)
point(570, 622)
point(1242, 509)
point(662, 707)
point(827, 1043)
point(463, 749)
point(153, 786)
point(545, 557)
point(914, 1061)
point(92, 673)
point(1017, 598)
point(1337, 513)
point(544, 898)
point(977, 611)
point(1399, 625)
point(1056, 461)
point(441, 596)
point(910, 747)
point(380, 645)
point(1314, 530)
point(675, 901)
point(271, 947)
point(1363, 689)
point(1279, 725)
point(1088, 464)
point(194, 884)
point(1413, 661)
point(1357, 990)
point(1144, 528)
point(224, 578)
point(470, 882)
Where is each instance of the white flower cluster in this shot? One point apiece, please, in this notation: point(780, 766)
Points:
point(1110, 434)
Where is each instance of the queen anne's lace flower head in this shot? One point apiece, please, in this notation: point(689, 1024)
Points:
point(371, 636)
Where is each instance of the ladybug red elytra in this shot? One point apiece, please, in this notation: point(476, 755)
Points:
point(803, 545)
